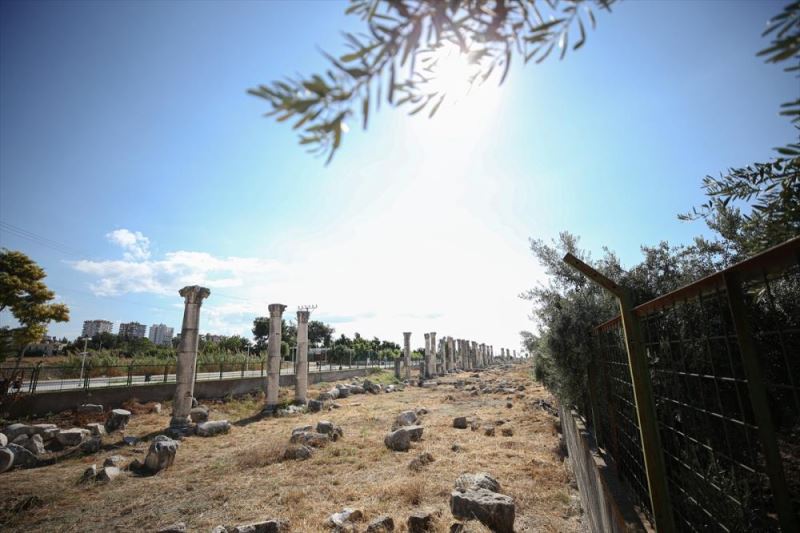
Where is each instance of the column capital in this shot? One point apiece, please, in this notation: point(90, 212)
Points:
point(194, 294)
point(406, 334)
point(427, 335)
point(276, 310)
point(302, 316)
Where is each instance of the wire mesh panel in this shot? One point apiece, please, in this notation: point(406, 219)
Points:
point(619, 423)
point(724, 364)
point(710, 441)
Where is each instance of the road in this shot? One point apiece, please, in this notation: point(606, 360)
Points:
point(122, 381)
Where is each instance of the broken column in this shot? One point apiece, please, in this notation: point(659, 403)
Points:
point(193, 297)
point(426, 364)
point(301, 371)
point(432, 362)
point(407, 352)
point(274, 356)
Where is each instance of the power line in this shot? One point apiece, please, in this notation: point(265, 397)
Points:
point(41, 240)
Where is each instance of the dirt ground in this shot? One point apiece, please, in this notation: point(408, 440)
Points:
point(236, 478)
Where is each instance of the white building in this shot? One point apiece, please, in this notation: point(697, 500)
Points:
point(96, 327)
point(161, 335)
point(132, 330)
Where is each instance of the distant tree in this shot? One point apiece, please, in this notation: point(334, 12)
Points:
point(24, 293)
point(397, 56)
point(261, 332)
point(320, 333)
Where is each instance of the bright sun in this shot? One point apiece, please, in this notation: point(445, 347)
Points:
point(450, 72)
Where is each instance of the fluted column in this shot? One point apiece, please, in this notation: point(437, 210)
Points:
point(274, 355)
point(301, 372)
point(407, 352)
point(193, 297)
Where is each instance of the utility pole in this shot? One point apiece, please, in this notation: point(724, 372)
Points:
point(83, 358)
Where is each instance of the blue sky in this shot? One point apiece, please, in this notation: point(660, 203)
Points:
point(126, 137)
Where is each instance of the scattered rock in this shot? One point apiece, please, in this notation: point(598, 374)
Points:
point(107, 474)
point(422, 521)
point(460, 422)
point(198, 414)
point(310, 438)
point(315, 406)
point(216, 427)
point(96, 428)
point(156, 408)
point(3, 440)
point(481, 480)
point(488, 431)
point(6, 459)
point(343, 517)
point(267, 526)
point(14, 430)
point(372, 388)
point(495, 511)
point(72, 437)
point(415, 432)
point(344, 390)
point(91, 445)
point(507, 432)
point(429, 384)
point(382, 524)
point(474, 424)
point(161, 454)
point(35, 445)
point(456, 447)
point(406, 418)
point(90, 409)
point(46, 431)
point(419, 462)
point(117, 419)
point(114, 460)
point(398, 440)
point(421, 411)
point(179, 527)
point(357, 389)
point(131, 441)
point(299, 452)
point(509, 405)
point(89, 474)
point(330, 429)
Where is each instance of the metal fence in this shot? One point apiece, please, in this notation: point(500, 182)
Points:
point(47, 378)
point(721, 382)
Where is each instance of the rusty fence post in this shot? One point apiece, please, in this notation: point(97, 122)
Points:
point(652, 451)
point(760, 403)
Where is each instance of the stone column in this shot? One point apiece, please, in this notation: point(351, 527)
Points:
point(427, 363)
point(274, 356)
point(463, 352)
point(407, 352)
point(451, 354)
point(432, 367)
point(301, 372)
point(474, 361)
point(193, 297)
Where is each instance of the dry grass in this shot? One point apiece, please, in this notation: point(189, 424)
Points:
point(240, 477)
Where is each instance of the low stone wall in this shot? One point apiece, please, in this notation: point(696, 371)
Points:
point(53, 402)
point(605, 502)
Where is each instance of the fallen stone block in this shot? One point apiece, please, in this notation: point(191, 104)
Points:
point(198, 414)
point(495, 511)
point(398, 440)
point(422, 521)
point(108, 474)
point(381, 524)
point(215, 427)
point(267, 526)
point(6, 459)
point(299, 452)
point(161, 454)
point(460, 422)
point(14, 430)
point(117, 420)
point(72, 436)
point(96, 428)
point(480, 480)
point(90, 409)
point(333, 431)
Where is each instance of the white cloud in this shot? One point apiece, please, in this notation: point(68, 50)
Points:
point(136, 245)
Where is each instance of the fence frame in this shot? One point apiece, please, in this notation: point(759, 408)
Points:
point(731, 279)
